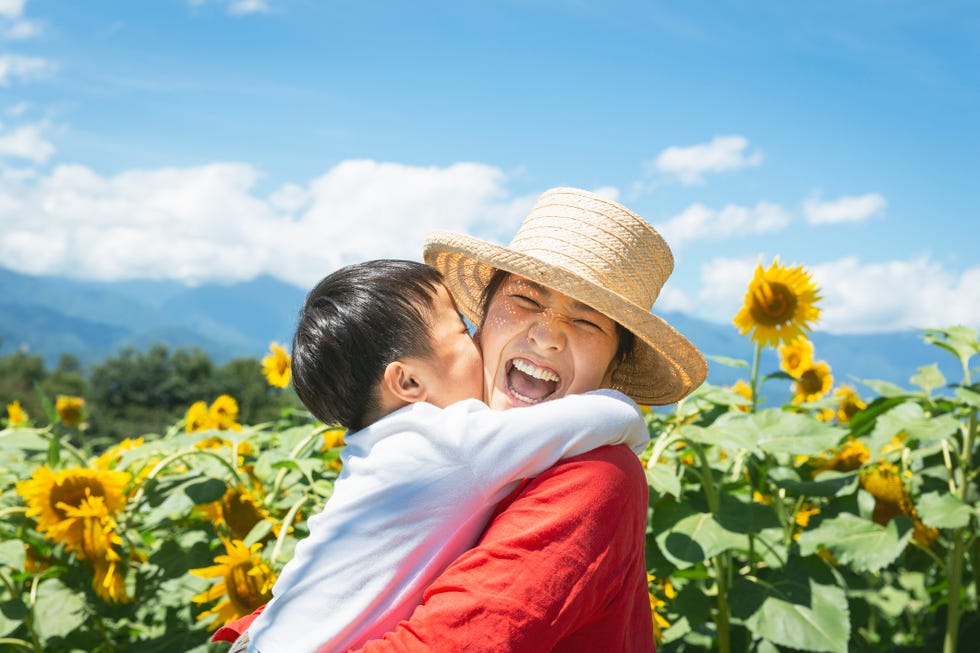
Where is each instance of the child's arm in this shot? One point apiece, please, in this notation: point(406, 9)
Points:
point(523, 442)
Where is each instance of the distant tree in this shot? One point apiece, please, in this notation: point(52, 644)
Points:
point(135, 393)
point(258, 401)
point(67, 378)
point(20, 374)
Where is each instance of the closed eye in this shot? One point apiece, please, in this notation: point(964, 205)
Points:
point(526, 302)
point(588, 324)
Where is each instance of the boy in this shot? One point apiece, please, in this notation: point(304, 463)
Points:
point(381, 349)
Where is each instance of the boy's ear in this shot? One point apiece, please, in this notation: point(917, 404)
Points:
point(402, 383)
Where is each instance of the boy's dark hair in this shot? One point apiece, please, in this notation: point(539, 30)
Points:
point(627, 339)
point(354, 323)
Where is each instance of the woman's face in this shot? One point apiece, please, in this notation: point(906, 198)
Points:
point(539, 344)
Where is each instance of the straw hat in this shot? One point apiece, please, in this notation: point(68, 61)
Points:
point(600, 253)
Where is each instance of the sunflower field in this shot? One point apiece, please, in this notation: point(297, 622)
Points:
point(836, 522)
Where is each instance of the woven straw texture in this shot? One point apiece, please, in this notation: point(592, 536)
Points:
point(600, 253)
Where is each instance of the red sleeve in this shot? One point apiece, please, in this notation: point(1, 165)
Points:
point(560, 569)
point(234, 629)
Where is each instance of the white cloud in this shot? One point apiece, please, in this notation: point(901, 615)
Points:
point(723, 284)
point(22, 29)
point(11, 8)
point(722, 154)
point(25, 68)
point(26, 142)
point(844, 209)
point(242, 7)
point(859, 297)
point(237, 7)
point(896, 295)
point(699, 222)
point(208, 223)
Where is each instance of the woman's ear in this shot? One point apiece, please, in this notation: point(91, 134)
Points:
point(402, 384)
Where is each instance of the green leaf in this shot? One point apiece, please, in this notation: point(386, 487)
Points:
point(697, 538)
point(795, 434)
point(206, 490)
point(893, 602)
point(864, 420)
point(58, 611)
point(745, 516)
point(827, 484)
point(885, 389)
point(727, 433)
point(859, 543)
point(12, 554)
point(910, 418)
point(12, 614)
point(730, 362)
point(968, 396)
point(23, 440)
point(928, 378)
point(793, 610)
point(943, 510)
point(961, 341)
point(722, 396)
point(259, 531)
point(664, 479)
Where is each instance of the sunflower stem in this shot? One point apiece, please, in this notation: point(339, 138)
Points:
point(754, 381)
point(956, 555)
point(720, 562)
point(286, 522)
point(66, 444)
point(281, 476)
point(13, 510)
point(12, 641)
point(29, 617)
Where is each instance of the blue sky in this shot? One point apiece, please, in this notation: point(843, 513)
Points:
point(214, 140)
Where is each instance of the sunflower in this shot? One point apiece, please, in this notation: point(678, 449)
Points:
point(275, 366)
point(813, 383)
point(884, 482)
point(849, 403)
point(332, 438)
point(197, 418)
point(660, 623)
point(15, 414)
point(239, 509)
point(803, 515)
point(62, 501)
point(70, 409)
point(796, 357)
point(246, 583)
point(780, 304)
point(851, 456)
point(76, 507)
point(223, 414)
point(742, 389)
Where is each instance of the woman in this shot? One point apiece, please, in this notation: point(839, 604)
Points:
point(564, 308)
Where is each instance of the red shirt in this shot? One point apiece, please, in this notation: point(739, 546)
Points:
point(561, 568)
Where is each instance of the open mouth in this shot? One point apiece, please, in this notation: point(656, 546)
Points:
point(530, 383)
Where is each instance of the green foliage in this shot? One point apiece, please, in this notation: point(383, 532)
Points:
point(816, 535)
point(770, 530)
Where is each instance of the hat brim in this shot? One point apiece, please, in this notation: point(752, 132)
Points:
point(664, 366)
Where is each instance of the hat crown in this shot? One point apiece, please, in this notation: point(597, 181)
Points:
point(598, 240)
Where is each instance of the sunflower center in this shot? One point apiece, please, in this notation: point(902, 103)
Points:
point(810, 382)
point(72, 492)
point(240, 513)
point(773, 304)
point(245, 589)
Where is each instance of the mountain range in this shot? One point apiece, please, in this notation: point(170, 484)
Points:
point(92, 320)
